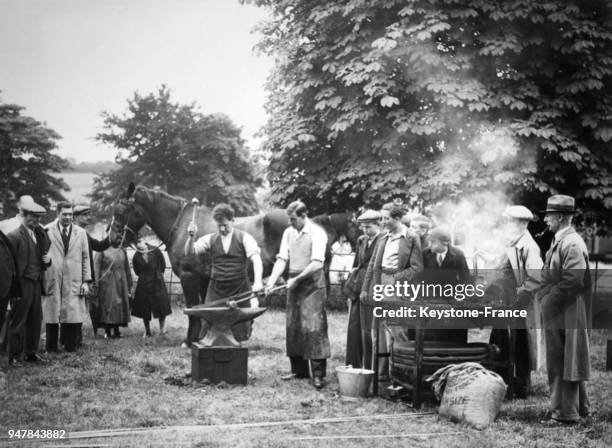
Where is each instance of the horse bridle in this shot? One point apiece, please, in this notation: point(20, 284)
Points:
point(127, 228)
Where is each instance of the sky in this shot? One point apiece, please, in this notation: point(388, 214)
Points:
point(65, 61)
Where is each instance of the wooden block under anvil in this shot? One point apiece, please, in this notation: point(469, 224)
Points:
point(216, 364)
point(218, 356)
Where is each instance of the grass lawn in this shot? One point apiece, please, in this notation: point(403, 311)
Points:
point(141, 383)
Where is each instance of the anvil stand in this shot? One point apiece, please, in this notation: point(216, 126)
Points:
point(219, 356)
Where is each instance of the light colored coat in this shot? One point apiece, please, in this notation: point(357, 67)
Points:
point(68, 272)
point(565, 298)
point(526, 262)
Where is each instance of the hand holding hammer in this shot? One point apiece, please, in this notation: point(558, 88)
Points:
point(192, 229)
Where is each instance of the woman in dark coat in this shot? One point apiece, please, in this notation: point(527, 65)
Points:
point(151, 297)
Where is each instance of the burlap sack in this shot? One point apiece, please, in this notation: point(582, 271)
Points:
point(469, 393)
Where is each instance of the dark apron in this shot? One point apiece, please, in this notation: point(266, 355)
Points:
point(307, 320)
point(218, 290)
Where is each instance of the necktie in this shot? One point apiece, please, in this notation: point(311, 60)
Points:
point(440, 259)
point(65, 239)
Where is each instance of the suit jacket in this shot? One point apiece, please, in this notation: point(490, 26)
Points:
point(454, 268)
point(20, 239)
point(410, 261)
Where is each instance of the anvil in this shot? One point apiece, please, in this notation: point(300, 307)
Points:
point(221, 320)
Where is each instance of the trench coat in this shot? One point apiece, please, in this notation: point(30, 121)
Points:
point(114, 276)
point(565, 299)
point(65, 276)
point(526, 263)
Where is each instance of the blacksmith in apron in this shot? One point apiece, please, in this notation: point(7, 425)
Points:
point(359, 333)
point(520, 273)
point(230, 249)
point(303, 247)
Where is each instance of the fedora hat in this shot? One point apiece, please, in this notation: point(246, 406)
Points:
point(560, 203)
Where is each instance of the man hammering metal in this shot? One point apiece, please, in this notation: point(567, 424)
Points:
point(230, 250)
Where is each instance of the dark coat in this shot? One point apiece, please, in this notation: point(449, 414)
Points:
point(97, 246)
point(454, 268)
point(359, 338)
point(151, 297)
point(453, 271)
point(566, 303)
point(19, 240)
point(410, 261)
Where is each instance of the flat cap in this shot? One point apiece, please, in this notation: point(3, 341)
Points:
point(81, 209)
point(369, 216)
point(518, 212)
point(27, 204)
point(440, 233)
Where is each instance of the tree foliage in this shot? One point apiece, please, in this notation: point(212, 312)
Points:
point(438, 99)
point(27, 159)
point(162, 143)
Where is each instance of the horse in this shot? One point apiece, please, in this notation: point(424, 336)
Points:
point(169, 216)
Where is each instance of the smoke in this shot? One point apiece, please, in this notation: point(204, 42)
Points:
point(476, 218)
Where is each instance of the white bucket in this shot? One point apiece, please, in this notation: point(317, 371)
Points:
point(354, 383)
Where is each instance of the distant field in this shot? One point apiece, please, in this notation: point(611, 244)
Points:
point(80, 184)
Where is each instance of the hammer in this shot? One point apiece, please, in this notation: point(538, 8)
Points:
point(195, 203)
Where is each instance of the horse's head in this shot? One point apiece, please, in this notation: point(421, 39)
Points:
point(352, 229)
point(128, 219)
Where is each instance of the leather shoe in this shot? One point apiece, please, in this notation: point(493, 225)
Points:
point(552, 422)
point(34, 358)
point(13, 362)
point(318, 382)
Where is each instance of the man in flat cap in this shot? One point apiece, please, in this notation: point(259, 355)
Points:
point(444, 264)
point(565, 299)
point(520, 270)
point(397, 257)
point(82, 218)
point(359, 334)
point(31, 259)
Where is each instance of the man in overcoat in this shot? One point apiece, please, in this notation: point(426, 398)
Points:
point(565, 299)
point(303, 248)
point(30, 260)
point(397, 258)
point(359, 333)
point(520, 270)
point(71, 272)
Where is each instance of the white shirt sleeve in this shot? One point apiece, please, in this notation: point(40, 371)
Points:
point(250, 245)
point(283, 252)
point(319, 244)
point(202, 245)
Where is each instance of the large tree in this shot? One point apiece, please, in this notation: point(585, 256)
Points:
point(162, 143)
point(27, 159)
point(438, 99)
